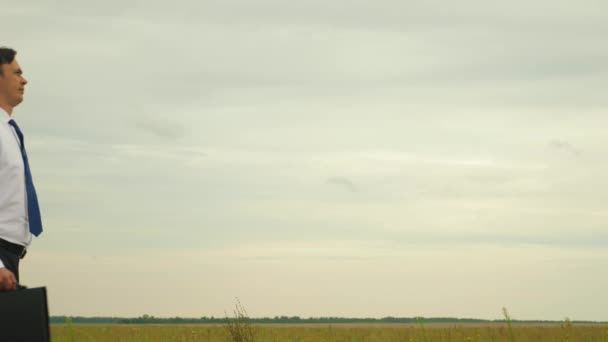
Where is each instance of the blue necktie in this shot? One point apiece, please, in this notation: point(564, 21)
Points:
point(33, 210)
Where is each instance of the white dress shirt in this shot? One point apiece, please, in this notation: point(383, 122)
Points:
point(14, 225)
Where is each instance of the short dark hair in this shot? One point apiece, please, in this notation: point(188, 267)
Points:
point(7, 56)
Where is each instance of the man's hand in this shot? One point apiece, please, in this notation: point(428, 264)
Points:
point(7, 280)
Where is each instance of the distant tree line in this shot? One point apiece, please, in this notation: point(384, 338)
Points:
point(148, 319)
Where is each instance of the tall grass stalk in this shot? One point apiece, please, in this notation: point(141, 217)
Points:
point(421, 323)
point(508, 319)
point(567, 328)
point(239, 328)
point(68, 323)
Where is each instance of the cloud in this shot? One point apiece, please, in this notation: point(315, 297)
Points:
point(161, 128)
point(343, 182)
point(564, 146)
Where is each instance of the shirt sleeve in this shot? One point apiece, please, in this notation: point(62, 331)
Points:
point(1, 264)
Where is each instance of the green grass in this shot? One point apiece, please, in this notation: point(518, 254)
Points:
point(337, 332)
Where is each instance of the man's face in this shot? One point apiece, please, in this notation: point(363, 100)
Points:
point(12, 84)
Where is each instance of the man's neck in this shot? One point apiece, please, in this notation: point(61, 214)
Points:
point(8, 109)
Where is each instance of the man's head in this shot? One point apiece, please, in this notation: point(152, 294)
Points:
point(12, 83)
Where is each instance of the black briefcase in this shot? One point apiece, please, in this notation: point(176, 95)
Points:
point(24, 315)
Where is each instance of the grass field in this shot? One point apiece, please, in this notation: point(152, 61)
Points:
point(336, 332)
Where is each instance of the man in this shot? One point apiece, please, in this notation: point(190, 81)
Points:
point(19, 211)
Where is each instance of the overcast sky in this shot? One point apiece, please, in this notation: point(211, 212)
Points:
point(317, 158)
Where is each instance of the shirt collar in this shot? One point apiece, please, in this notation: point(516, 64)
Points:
point(4, 117)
